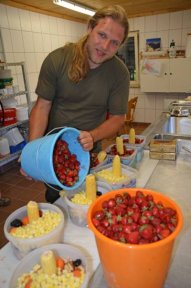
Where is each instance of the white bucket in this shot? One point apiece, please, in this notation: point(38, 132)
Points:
point(78, 212)
point(4, 147)
point(22, 113)
point(14, 136)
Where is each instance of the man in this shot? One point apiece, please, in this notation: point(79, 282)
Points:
point(81, 81)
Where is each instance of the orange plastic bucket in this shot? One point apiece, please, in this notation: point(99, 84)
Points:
point(133, 265)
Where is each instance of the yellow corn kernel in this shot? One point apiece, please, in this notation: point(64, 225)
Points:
point(48, 262)
point(80, 198)
point(90, 187)
point(101, 156)
point(32, 211)
point(132, 136)
point(119, 145)
point(116, 166)
point(62, 193)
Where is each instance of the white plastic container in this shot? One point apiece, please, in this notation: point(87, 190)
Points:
point(126, 160)
point(4, 147)
point(105, 162)
point(10, 102)
point(139, 147)
point(63, 250)
point(22, 113)
point(14, 136)
point(130, 181)
point(23, 246)
point(78, 212)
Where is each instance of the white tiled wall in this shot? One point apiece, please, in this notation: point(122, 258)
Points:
point(167, 27)
point(29, 37)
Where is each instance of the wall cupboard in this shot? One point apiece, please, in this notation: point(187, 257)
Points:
point(174, 75)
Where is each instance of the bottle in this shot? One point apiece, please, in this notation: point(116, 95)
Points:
point(172, 49)
point(131, 75)
point(135, 75)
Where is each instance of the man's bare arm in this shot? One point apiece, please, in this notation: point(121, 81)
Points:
point(39, 118)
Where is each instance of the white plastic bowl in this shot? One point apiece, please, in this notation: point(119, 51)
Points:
point(63, 250)
point(105, 162)
point(139, 147)
point(78, 212)
point(23, 246)
point(126, 160)
point(130, 181)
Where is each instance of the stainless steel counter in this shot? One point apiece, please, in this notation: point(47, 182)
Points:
point(155, 127)
point(168, 127)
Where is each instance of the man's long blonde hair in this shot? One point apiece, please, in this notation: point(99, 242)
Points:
point(79, 66)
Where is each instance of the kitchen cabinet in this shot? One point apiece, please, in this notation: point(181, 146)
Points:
point(173, 75)
point(4, 129)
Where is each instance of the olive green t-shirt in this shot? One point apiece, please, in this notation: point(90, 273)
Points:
point(82, 105)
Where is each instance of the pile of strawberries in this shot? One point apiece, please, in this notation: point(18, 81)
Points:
point(137, 140)
point(127, 151)
point(93, 160)
point(66, 165)
point(135, 219)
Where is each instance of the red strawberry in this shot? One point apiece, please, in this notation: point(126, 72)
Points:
point(128, 222)
point(65, 164)
point(99, 215)
point(127, 228)
point(164, 233)
point(146, 231)
point(136, 216)
point(133, 237)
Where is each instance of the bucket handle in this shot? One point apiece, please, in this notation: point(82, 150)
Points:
point(57, 128)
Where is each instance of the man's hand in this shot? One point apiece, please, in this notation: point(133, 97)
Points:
point(23, 172)
point(86, 140)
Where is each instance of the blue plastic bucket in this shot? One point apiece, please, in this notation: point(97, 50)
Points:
point(37, 157)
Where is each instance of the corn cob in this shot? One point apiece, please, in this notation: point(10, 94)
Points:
point(48, 262)
point(119, 145)
point(132, 136)
point(116, 167)
point(90, 187)
point(101, 156)
point(32, 211)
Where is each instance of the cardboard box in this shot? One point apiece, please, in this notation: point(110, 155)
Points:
point(162, 156)
point(163, 146)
